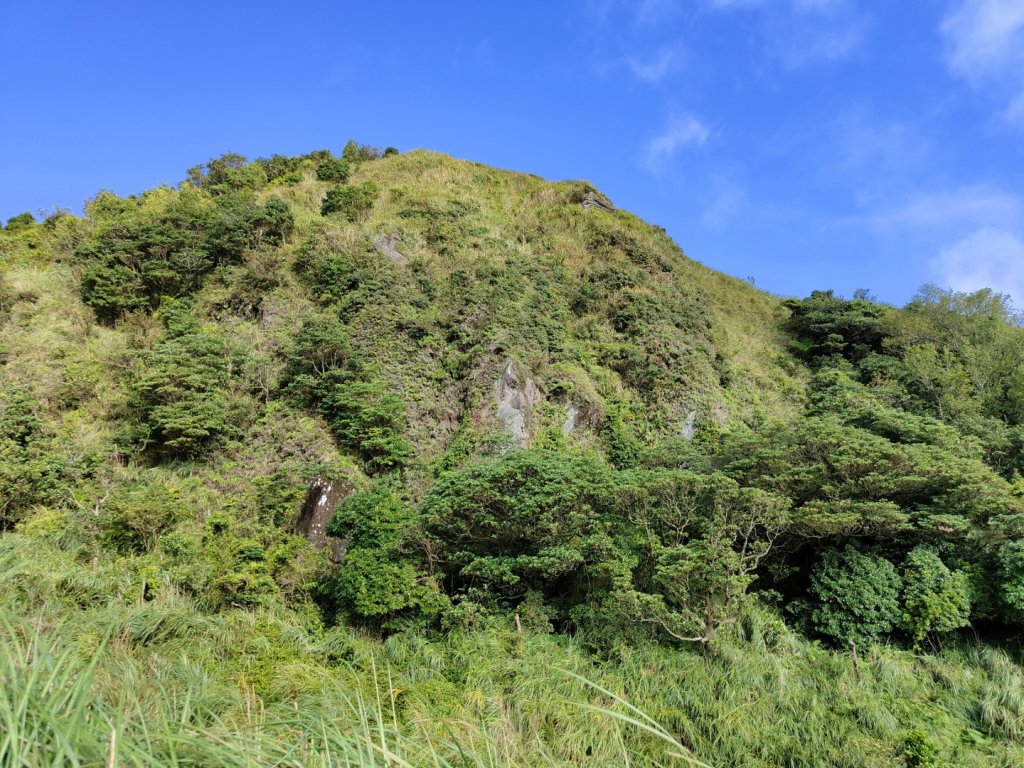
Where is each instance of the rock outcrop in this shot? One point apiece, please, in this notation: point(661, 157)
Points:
point(516, 401)
point(322, 498)
point(595, 200)
point(690, 425)
point(388, 246)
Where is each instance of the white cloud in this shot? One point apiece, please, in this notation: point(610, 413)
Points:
point(653, 70)
point(976, 206)
point(985, 45)
point(988, 258)
point(681, 131)
point(984, 36)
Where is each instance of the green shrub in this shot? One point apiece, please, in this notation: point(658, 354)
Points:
point(21, 221)
point(364, 414)
point(333, 169)
point(935, 600)
point(136, 516)
point(857, 595)
point(380, 580)
point(352, 202)
point(182, 393)
point(229, 172)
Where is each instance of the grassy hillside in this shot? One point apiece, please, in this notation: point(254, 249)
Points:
point(586, 501)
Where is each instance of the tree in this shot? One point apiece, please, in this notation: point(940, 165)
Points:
point(703, 538)
point(21, 221)
point(527, 521)
point(182, 392)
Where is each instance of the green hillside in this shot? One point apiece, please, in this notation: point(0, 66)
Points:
point(395, 459)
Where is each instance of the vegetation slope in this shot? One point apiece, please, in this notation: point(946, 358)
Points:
point(601, 505)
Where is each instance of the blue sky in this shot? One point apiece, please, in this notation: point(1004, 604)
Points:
point(804, 143)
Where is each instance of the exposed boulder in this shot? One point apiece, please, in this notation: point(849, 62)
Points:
point(388, 245)
point(322, 498)
point(593, 199)
point(516, 401)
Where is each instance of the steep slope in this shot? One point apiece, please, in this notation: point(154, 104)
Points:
point(302, 425)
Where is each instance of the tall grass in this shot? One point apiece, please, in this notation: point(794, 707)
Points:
point(87, 672)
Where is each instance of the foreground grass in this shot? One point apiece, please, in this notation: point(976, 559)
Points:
point(101, 681)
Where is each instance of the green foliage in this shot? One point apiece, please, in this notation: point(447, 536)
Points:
point(364, 414)
point(827, 327)
point(353, 202)
point(167, 253)
point(701, 540)
point(857, 595)
point(1011, 578)
point(21, 221)
point(229, 172)
point(529, 520)
point(182, 392)
point(379, 580)
point(935, 600)
point(135, 517)
point(354, 152)
point(31, 469)
point(333, 169)
point(918, 751)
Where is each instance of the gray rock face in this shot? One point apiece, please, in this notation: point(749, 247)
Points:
point(569, 425)
point(515, 404)
point(322, 498)
point(593, 200)
point(690, 425)
point(388, 245)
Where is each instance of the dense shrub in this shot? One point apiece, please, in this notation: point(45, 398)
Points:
point(182, 392)
point(31, 469)
point(380, 581)
point(21, 221)
point(333, 169)
point(935, 599)
point(352, 202)
point(530, 520)
point(364, 414)
point(857, 595)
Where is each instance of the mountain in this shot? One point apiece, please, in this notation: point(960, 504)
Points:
point(391, 458)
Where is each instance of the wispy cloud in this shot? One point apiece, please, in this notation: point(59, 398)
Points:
point(871, 145)
point(681, 131)
point(985, 45)
point(987, 258)
point(656, 11)
point(728, 199)
point(821, 44)
point(971, 206)
point(663, 63)
point(805, 32)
